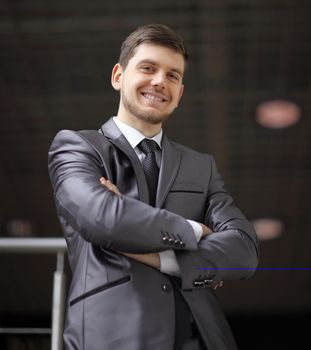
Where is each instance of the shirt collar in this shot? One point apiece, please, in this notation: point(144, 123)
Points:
point(133, 136)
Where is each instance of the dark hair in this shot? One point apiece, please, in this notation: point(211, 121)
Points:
point(158, 34)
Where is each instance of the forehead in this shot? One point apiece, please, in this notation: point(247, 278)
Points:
point(160, 55)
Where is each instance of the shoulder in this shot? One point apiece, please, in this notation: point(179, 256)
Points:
point(89, 147)
point(67, 134)
point(73, 138)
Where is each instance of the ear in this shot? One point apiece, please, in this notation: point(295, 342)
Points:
point(180, 93)
point(116, 77)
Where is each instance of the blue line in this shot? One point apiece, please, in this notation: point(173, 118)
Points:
point(255, 269)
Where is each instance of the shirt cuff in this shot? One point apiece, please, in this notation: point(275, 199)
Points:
point(197, 228)
point(168, 263)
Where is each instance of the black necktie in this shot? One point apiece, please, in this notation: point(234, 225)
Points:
point(150, 167)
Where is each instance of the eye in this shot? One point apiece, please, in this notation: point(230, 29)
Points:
point(174, 76)
point(147, 69)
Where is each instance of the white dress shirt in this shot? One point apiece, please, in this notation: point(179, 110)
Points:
point(168, 261)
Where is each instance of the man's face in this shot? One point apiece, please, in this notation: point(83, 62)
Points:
point(151, 84)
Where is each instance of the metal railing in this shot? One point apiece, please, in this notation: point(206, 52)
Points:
point(45, 246)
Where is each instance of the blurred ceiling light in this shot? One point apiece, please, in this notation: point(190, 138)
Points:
point(268, 228)
point(19, 228)
point(277, 114)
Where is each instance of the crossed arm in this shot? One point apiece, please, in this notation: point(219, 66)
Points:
point(150, 259)
point(101, 216)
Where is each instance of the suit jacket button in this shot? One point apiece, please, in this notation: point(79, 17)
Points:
point(170, 241)
point(199, 284)
point(208, 282)
point(182, 244)
point(166, 288)
point(196, 284)
point(165, 240)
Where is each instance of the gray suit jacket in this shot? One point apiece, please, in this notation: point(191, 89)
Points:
point(115, 302)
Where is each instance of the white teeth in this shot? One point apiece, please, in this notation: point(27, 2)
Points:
point(153, 98)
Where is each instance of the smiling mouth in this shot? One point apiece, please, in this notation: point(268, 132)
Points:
point(152, 97)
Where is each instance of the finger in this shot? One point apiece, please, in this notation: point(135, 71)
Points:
point(113, 187)
point(205, 230)
point(105, 182)
point(108, 184)
point(218, 285)
point(209, 231)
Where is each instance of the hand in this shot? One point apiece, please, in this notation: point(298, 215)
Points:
point(218, 285)
point(110, 186)
point(206, 230)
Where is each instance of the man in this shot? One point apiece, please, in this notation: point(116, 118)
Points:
point(150, 228)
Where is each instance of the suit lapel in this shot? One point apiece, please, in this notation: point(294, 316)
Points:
point(170, 163)
point(112, 132)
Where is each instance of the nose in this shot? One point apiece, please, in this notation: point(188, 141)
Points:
point(158, 80)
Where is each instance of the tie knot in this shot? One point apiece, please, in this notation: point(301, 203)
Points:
point(147, 146)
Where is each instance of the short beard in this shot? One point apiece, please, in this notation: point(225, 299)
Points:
point(146, 117)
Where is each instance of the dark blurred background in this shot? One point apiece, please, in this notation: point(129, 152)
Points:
point(55, 64)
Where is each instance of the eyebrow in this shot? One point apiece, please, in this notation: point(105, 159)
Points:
point(176, 70)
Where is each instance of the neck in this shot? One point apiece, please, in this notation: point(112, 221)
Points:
point(147, 129)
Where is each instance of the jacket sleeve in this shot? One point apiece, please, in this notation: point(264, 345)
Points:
point(230, 252)
point(85, 207)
